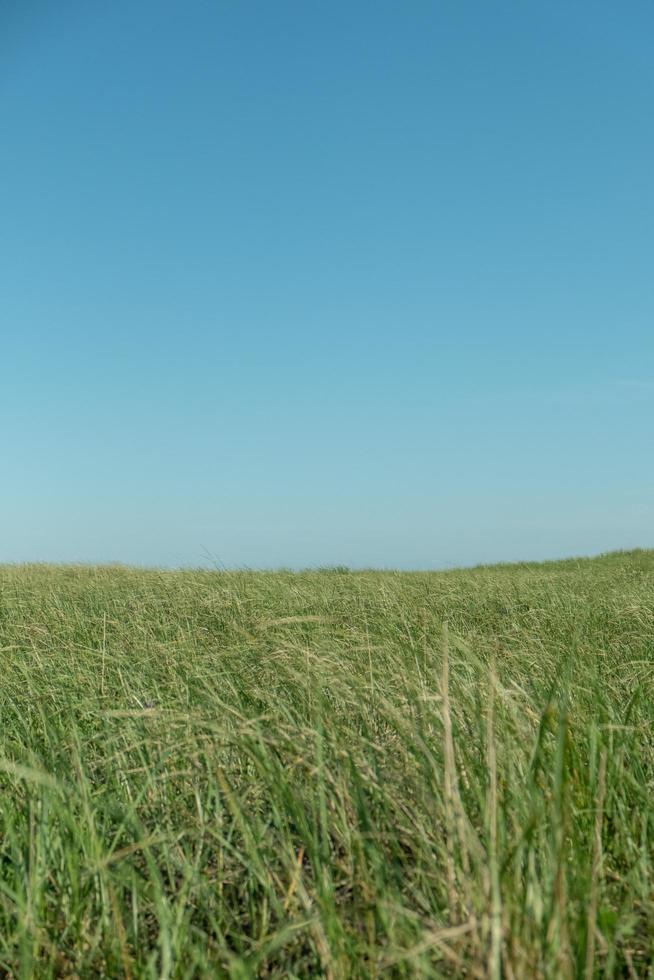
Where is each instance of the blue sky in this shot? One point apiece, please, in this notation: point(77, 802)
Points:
point(305, 283)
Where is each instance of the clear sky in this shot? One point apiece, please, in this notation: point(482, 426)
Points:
point(304, 283)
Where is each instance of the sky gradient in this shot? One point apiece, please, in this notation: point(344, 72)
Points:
point(312, 283)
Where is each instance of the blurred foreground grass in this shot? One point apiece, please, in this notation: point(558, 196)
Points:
point(328, 773)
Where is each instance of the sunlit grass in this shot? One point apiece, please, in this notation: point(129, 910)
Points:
point(332, 774)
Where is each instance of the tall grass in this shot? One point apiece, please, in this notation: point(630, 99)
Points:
point(328, 774)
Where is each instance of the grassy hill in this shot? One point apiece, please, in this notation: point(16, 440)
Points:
point(328, 773)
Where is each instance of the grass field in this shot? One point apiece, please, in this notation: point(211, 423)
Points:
point(328, 773)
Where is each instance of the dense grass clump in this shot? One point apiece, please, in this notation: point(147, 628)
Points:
point(328, 774)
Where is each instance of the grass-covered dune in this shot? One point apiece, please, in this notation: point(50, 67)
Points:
point(328, 773)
